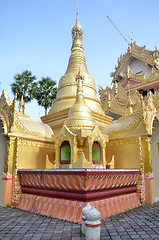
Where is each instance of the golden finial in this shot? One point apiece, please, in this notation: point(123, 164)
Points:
point(128, 71)
point(15, 97)
point(116, 88)
point(130, 102)
point(22, 103)
point(14, 101)
point(109, 101)
point(77, 31)
point(132, 42)
point(77, 7)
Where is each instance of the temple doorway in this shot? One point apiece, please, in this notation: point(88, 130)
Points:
point(2, 155)
point(155, 157)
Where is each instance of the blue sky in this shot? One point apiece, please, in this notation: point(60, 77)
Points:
point(36, 35)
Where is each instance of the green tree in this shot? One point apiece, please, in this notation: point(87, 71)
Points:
point(24, 85)
point(46, 92)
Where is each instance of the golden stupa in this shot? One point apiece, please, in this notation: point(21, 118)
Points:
point(80, 116)
point(66, 93)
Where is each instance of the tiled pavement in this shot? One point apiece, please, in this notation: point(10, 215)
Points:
point(15, 224)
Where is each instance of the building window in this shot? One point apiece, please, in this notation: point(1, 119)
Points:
point(65, 153)
point(96, 153)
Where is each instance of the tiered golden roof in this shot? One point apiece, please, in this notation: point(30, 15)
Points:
point(149, 57)
point(124, 97)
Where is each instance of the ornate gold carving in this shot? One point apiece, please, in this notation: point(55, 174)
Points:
point(12, 116)
point(65, 135)
point(118, 100)
point(123, 141)
point(140, 122)
point(8, 109)
point(148, 111)
point(9, 156)
point(16, 189)
point(68, 84)
point(15, 156)
point(22, 128)
point(141, 156)
point(97, 136)
point(36, 144)
point(141, 188)
point(141, 53)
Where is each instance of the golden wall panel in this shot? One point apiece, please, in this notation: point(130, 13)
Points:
point(126, 153)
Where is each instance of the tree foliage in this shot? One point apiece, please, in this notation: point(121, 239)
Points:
point(46, 92)
point(24, 81)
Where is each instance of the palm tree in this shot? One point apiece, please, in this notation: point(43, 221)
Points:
point(24, 85)
point(46, 92)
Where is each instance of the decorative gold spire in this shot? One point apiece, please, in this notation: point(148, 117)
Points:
point(66, 93)
point(77, 30)
point(22, 103)
point(109, 101)
point(130, 102)
point(79, 116)
point(116, 88)
point(14, 100)
point(77, 56)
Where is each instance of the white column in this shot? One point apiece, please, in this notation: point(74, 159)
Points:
point(84, 210)
point(92, 224)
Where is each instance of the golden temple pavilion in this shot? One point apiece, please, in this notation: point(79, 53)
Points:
point(119, 131)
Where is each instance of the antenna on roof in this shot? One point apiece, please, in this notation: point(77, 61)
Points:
point(118, 30)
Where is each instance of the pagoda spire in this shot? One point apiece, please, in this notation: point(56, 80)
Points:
point(22, 103)
point(77, 30)
point(77, 56)
point(67, 86)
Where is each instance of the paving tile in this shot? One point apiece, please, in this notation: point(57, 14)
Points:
point(142, 223)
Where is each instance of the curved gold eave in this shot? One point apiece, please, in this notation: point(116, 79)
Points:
point(21, 125)
point(136, 124)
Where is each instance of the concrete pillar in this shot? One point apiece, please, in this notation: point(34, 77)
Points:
point(92, 224)
point(7, 189)
point(84, 210)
